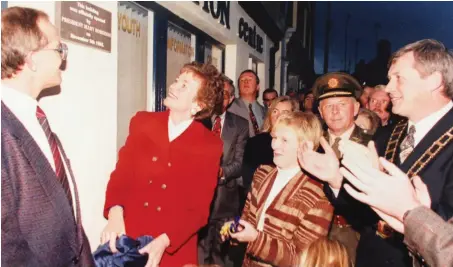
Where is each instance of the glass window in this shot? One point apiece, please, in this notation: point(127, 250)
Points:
point(213, 55)
point(180, 50)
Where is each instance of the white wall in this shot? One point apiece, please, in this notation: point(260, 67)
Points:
point(84, 117)
point(278, 62)
point(237, 50)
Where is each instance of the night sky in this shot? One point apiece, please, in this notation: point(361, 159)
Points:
point(400, 23)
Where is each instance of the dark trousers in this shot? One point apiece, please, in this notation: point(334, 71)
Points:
point(348, 237)
point(211, 249)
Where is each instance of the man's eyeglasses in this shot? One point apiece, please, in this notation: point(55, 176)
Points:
point(376, 101)
point(62, 49)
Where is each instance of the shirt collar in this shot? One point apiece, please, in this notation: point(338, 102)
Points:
point(22, 105)
point(288, 173)
point(345, 136)
point(423, 126)
point(247, 103)
point(182, 124)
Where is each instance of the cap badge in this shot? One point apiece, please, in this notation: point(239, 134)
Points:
point(333, 83)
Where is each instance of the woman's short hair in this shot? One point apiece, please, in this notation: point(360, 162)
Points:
point(267, 124)
point(325, 253)
point(306, 125)
point(20, 36)
point(210, 95)
point(374, 119)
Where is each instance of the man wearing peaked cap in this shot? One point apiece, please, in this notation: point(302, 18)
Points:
point(337, 94)
point(336, 84)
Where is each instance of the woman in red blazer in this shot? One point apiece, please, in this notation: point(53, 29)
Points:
point(167, 171)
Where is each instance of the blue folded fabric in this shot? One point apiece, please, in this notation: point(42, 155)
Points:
point(127, 255)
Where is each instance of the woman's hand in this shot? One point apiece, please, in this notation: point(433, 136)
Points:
point(325, 167)
point(114, 228)
point(246, 232)
point(225, 231)
point(155, 250)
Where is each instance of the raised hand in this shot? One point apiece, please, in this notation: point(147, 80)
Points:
point(367, 156)
point(324, 166)
point(392, 193)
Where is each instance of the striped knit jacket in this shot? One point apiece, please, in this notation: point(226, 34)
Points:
point(299, 215)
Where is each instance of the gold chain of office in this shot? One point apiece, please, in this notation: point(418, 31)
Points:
point(426, 158)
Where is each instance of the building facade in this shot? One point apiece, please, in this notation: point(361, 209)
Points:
point(123, 55)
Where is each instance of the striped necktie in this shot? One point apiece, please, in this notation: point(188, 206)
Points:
point(407, 146)
point(217, 129)
point(59, 167)
point(253, 120)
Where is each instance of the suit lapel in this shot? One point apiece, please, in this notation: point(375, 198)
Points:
point(76, 194)
point(38, 161)
point(443, 125)
point(227, 133)
point(244, 108)
point(358, 136)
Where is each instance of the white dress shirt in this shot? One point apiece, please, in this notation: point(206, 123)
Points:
point(282, 179)
point(24, 108)
point(257, 111)
point(426, 124)
point(176, 130)
point(345, 136)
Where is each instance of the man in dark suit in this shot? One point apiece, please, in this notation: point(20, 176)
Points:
point(404, 206)
point(420, 89)
point(246, 106)
point(337, 94)
point(234, 132)
point(41, 219)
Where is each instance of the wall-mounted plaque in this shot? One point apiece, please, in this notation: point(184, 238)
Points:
point(85, 23)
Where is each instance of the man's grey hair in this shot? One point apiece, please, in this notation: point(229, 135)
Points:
point(228, 80)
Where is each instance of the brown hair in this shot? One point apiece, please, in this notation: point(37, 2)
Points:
point(210, 95)
point(306, 125)
point(325, 253)
point(20, 35)
point(430, 56)
point(267, 124)
point(374, 119)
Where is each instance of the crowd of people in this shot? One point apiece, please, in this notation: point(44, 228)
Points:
point(344, 175)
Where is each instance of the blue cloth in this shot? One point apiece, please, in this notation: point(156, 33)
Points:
point(127, 255)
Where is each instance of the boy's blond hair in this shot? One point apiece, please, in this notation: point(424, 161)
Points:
point(306, 125)
point(325, 253)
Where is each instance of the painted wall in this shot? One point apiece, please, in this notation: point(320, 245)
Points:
point(84, 117)
point(237, 50)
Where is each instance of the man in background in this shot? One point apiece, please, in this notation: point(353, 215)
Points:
point(269, 95)
point(246, 106)
point(234, 132)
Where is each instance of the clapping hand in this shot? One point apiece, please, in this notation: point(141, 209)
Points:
point(324, 166)
point(389, 195)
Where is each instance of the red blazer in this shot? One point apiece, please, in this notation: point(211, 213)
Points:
point(166, 187)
